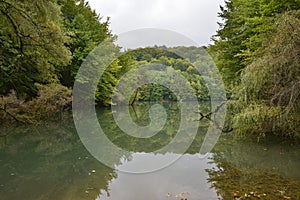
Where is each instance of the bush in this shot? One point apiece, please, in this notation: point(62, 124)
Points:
point(52, 102)
point(270, 85)
point(260, 120)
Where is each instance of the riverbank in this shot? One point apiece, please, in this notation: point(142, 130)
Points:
point(52, 103)
point(50, 162)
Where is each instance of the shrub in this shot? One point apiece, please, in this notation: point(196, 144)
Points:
point(260, 120)
point(52, 102)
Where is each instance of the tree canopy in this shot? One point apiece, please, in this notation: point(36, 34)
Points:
point(43, 43)
point(257, 52)
point(32, 45)
point(244, 26)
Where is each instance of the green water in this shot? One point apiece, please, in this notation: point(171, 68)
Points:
point(50, 162)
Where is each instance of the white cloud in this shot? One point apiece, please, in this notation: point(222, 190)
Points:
point(196, 19)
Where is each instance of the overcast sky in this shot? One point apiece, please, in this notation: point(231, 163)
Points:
point(196, 19)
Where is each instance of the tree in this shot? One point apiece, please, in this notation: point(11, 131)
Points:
point(270, 86)
point(85, 30)
point(244, 26)
point(32, 44)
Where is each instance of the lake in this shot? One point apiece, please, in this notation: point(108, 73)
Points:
point(50, 162)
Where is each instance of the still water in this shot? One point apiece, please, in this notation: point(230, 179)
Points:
point(49, 162)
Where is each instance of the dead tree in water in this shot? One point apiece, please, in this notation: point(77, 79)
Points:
point(208, 116)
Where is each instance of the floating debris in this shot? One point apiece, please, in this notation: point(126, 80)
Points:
point(181, 195)
point(236, 194)
point(281, 192)
point(247, 195)
point(169, 195)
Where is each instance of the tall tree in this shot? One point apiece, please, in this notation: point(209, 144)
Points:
point(31, 44)
point(270, 86)
point(243, 27)
point(85, 30)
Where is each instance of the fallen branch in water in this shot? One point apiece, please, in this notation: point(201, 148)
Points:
point(207, 116)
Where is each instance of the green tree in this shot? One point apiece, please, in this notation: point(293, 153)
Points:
point(85, 31)
point(170, 57)
point(32, 44)
point(270, 86)
point(244, 26)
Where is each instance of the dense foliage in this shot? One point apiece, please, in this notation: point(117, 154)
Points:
point(257, 51)
point(169, 57)
point(43, 44)
point(32, 45)
point(84, 31)
point(245, 26)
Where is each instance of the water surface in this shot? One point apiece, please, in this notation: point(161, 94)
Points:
point(49, 162)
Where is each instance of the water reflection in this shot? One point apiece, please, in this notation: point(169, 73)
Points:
point(268, 170)
point(49, 162)
point(186, 175)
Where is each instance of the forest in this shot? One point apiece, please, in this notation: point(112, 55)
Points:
point(256, 49)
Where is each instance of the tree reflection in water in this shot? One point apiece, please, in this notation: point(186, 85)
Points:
point(248, 170)
point(50, 162)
